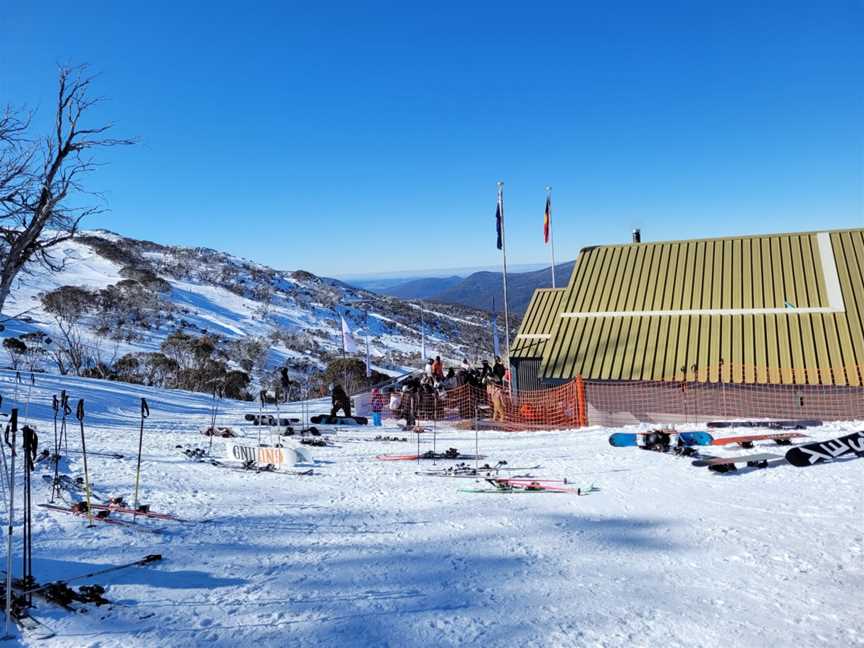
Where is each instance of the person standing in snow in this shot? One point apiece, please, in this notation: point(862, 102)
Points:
point(438, 369)
point(409, 410)
point(450, 381)
point(496, 396)
point(498, 370)
point(286, 383)
point(340, 400)
point(395, 402)
point(377, 406)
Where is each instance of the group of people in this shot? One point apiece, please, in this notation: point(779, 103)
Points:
point(421, 396)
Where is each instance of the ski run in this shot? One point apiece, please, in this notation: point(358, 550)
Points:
point(343, 549)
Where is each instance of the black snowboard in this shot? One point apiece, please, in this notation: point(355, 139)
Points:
point(326, 419)
point(771, 425)
point(813, 453)
point(268, 419)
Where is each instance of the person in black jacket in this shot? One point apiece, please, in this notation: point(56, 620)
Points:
point(286, 381)
point(498, 370)
point(340, 401)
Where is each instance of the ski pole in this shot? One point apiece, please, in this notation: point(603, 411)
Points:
point(145, 412)
point(476, 439)
point(79, 414)
point(5, 481)
point(212, 423)
point(144, 561)
point(13, 427)
point(29, 393)
point(55, 405)
point(67, 410)
point(64, 403)
point(31, 445)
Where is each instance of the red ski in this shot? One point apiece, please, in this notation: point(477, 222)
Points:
point(122, 508)
point(102, 516)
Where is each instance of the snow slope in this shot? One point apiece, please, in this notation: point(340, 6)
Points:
point(234, 298)
point(366, 553)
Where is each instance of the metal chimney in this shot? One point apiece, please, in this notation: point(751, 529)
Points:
point(637, 236)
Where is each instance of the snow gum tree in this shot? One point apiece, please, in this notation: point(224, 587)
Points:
point(41, 179)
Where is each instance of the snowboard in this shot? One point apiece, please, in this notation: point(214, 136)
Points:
point(326, 419)
point(263, 456)
point(269, 419)
point(771, 425)
point(624, 439)
point(726, 461)
point(746, 440)
point(819, 452)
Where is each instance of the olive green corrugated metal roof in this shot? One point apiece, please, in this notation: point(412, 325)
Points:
point(791, 303)
point(536, 327)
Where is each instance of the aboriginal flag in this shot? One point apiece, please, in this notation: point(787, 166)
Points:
point(547, 220)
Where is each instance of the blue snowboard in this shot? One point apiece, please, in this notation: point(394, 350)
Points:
point(624, 439)
point(696, 438)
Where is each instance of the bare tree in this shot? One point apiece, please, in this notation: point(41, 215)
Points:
point(41, 179)
point(68, 305)
point(103, 360)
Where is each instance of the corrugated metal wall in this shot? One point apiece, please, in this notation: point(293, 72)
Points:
point(537, 323)
point(527, 374)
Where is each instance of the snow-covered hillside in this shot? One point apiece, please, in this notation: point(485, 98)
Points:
point(147, 291)
point(369, 553)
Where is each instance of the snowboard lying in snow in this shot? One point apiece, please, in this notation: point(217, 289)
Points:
point(771, 425)
point(265, 455)
point(746, 440)
point(269, 419)
point(813, 453)
point(326, 419)
point(625, 439)
point(726, 464)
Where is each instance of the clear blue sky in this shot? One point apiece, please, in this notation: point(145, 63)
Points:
point(368, 137)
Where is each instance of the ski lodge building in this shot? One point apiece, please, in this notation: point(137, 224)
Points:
point(769, 325)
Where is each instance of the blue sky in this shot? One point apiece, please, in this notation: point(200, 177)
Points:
point(368, 137)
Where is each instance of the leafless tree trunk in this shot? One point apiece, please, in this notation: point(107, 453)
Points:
point(102, 362)
point(71, 350)
point(39, 178)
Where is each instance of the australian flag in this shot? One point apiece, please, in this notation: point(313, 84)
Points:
point(499, 216)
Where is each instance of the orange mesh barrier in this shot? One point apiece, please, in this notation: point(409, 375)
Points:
point(828, 394)
point(493, 407)
point(822, 394)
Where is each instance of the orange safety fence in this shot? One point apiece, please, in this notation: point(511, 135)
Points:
point(494, 407)
point(828, 394)
point(831, 394)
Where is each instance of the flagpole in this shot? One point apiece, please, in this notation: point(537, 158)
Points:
point(422, 338)
point(504, 262)
point(551, 237)
point(368, 358)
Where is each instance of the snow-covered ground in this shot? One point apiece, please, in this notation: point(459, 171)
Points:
point(367, 553)
point(202, 301)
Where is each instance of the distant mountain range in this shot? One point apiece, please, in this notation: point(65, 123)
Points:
point(477, 290)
